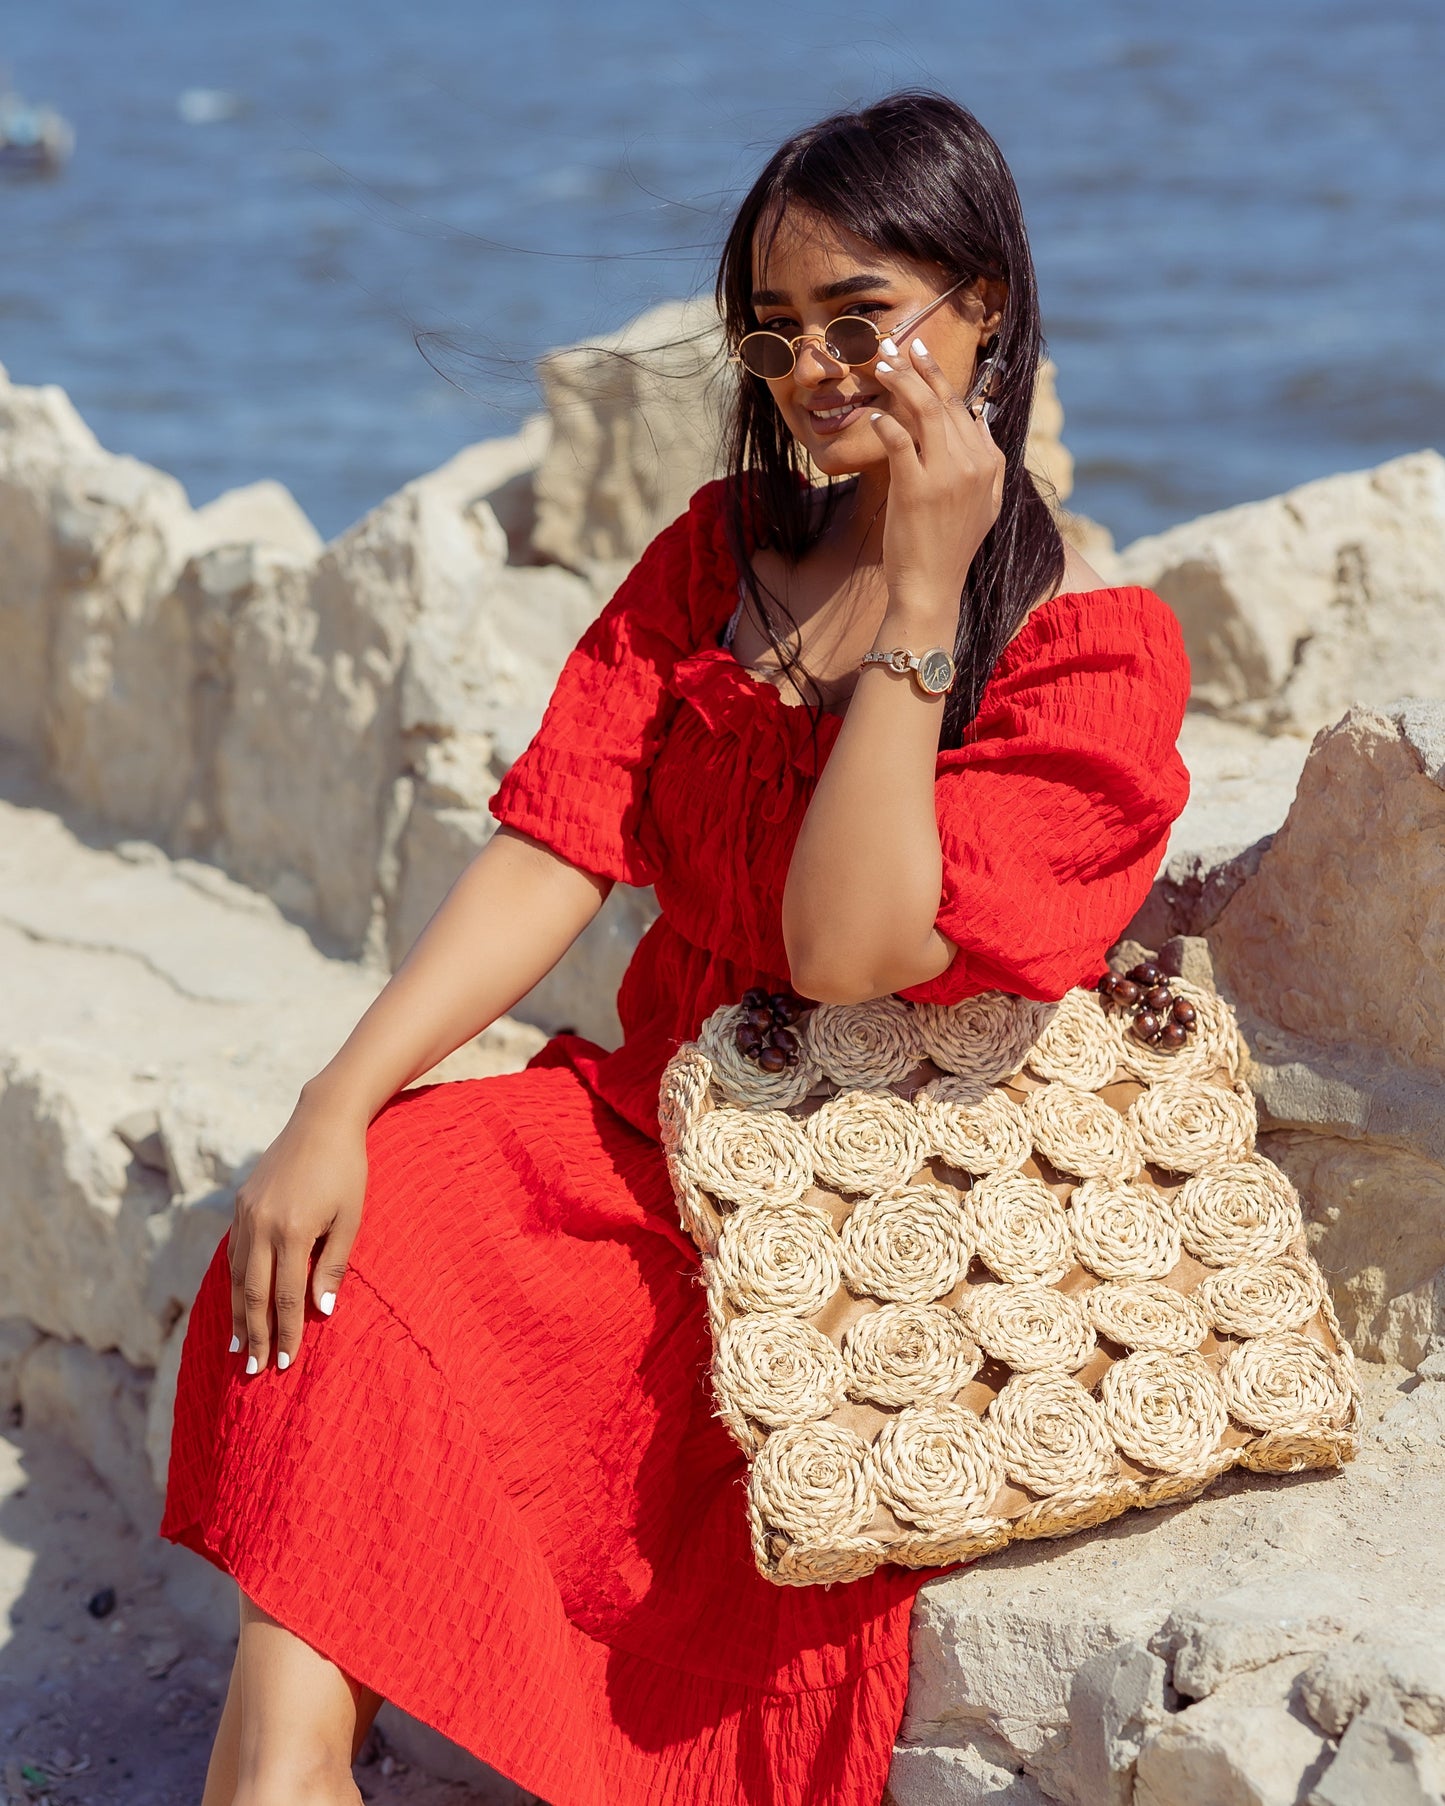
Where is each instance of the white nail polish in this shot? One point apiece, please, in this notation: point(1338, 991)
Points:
point(875, 416)
point(283, 1359)
point(328, 1302)
point(887, 369)
point(920, 347)
point(252, 1364)
point(235, 1345)
point(890, 348)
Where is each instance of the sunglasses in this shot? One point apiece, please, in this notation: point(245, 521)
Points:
point(850, 339)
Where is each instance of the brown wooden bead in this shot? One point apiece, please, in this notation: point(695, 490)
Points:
point(1184, 1012)
point(773, 1059)
point(755, 998)
point(760, 1019)
point(1127, 993)
point(785, 1007)
point(748, 1040)
point(1145, 1026)
point(1159, 997)
point(1173, 1034)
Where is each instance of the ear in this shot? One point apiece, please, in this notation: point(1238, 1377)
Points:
point(992, 292)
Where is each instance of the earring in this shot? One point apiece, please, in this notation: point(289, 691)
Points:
point(979, 400)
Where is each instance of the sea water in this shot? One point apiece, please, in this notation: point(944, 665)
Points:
point(1235, 211)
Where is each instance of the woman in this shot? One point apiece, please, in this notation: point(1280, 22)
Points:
point(461, 1451)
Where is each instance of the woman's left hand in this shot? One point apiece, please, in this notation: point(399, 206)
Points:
point(945, 481)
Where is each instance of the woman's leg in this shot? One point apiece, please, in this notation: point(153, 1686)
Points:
point(291, 1725)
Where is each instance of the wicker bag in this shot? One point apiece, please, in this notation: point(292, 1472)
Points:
point(992, 1271)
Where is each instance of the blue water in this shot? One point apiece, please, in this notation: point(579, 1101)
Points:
point(1235, 212)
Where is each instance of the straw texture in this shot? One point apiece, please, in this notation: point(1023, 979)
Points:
point(999, 1301)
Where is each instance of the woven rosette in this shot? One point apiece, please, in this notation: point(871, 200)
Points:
point(993, 1272)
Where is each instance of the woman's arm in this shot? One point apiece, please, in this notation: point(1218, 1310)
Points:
point(505, 923)
point(866, 876)
point(508, 919)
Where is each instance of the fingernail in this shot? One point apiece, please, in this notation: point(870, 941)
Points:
point(890, 348)
point(235, 1345)
point(283, 1359)
point(252, 1364)
point(328, 1302)
point(875, 416)
point(887, 369)
point(920, 347)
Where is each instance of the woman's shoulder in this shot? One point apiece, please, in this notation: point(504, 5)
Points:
point(1086, 608)
point(1095, 656)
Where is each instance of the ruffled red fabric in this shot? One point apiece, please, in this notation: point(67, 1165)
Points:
point(491, 1485)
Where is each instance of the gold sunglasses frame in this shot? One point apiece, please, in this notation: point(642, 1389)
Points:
point(905, 325)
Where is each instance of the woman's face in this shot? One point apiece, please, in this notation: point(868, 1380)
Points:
point(811, 272)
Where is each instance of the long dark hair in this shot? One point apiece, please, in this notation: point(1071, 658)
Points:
point(918, 176)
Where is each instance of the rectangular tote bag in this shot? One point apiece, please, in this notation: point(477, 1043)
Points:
point(991, 1271)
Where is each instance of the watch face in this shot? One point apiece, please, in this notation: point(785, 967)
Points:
point(935, 671)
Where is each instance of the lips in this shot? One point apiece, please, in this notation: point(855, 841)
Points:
point(836, 415)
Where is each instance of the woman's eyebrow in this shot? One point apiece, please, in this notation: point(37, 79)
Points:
point(832, 291)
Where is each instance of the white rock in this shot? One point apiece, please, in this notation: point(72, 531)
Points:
point(1295, 607)
point(1333, 953)
point(1341, 937)
point(97, 1403)
point(964, 1775)
point(1116, 1704)
point(1389, 1289)
point(1245, 1746)
point(637, 420)
point(1380, 1764)
point(17, 1337)
point(1241, 783)
point(265, 511)
point(1255, 1625)
point(40, 434)
point(159, 1021)
point(1391, 1679)
point(1417, 1422)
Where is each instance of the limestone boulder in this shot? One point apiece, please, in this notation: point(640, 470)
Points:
point(1340, 934)
point(1249, 1745)
point(1047, 456)
point(637, 421)
point(1296, 607)
point(1375, 1215)
point(159, 1021)
point(40, 435)
point(18, 1335)
point(264, 512)
point(96, 1403)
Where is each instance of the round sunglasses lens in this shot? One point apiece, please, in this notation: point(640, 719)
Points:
point(853, 339)
point(766, 354)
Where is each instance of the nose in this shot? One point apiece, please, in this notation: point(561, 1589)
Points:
point(814, 363)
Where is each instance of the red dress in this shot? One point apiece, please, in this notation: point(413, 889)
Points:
point(491, 1486)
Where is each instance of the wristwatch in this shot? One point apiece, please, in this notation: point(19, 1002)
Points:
point(933, 671)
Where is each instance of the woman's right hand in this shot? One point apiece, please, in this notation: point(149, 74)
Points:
point(306, 1189)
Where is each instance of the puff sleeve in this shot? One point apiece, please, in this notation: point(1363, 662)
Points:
point(1055, 814)
point(580, 783)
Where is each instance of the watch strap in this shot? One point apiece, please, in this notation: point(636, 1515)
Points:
point(936, 659)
